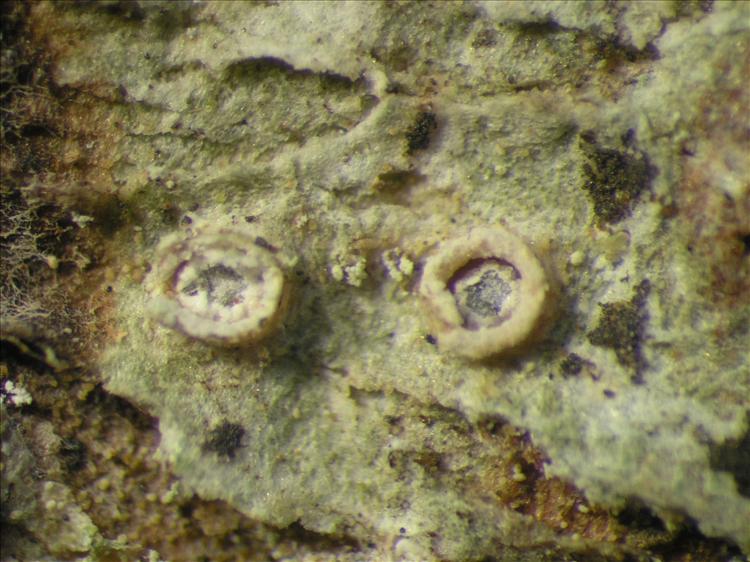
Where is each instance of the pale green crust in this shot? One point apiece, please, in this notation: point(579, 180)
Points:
point(598, 131)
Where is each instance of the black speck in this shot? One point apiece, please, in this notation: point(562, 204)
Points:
point(485, 38)
point(429, 338)
point(395, 181)
point(394, 88)
point(73, 453)
point(127, 10)
point(250, 218)
point(265, 244)
point(609, 393)
point(302, 276)
point(621, 327)
point(418, 136)
point(186, 510)
point(170, 214)
point(393, 420)
point(614, 180)
point(402, 530)
point(572, 365)
point(745, 239)
point(628, 137)
point(733, 456)
point(492, 425)
point(393, 459)
point(225, 439)
point(430, 461)
point(637, 516)
point(539, 28)
point(426, 420)
point(687, 151)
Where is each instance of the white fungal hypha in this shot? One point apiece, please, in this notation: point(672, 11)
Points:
point(486, 292)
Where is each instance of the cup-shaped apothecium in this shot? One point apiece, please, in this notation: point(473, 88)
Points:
point(484, 292)
point(220, 286)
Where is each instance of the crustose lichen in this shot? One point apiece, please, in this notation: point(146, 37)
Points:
point(485, 293)
point(220, 286)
